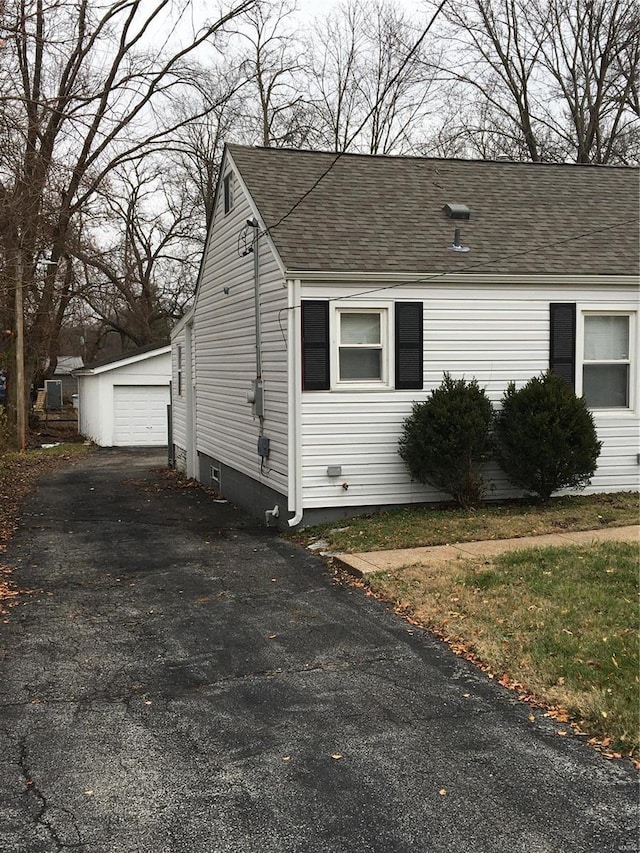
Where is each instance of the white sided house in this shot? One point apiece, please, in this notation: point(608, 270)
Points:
point(123, 402)
point(336, 290)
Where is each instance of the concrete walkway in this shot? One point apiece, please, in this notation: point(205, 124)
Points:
point(369, 562)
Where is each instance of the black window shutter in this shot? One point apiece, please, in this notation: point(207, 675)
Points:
point(315, 346)
point(409, 350)
point(562, 340)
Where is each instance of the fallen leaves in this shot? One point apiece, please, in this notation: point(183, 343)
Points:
point(501, 635)
point(19, 474)
point(167, 479)
point(7, 590)
point(336, 756)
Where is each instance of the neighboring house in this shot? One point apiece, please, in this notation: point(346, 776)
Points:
point(65, 370)
point(294, 371)
point(123, 402)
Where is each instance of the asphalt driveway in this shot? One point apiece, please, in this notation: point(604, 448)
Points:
point(177, 679)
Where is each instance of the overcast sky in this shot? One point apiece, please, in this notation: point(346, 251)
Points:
point(311, 9)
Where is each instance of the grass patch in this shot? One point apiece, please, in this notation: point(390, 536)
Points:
point(12, 460)
point(561, 622)
point(412, 527)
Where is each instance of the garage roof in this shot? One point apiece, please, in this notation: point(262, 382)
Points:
point(142, 354)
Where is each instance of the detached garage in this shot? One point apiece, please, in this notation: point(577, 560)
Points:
point(123, 402)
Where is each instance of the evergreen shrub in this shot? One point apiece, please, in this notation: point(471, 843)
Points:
point(546, 438)
point(447, 437)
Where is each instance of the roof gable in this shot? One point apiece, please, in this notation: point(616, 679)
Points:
point(186, 318)
point(350, 213)
point(142, 354)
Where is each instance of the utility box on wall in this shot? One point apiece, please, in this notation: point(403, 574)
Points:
point(255, 396)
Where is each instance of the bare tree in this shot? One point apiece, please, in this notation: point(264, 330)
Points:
point(336, 74)
point(398, 92)
point(138, 261)
point(553, 79)
point(79, 84)
point(590, 50)
point(272, 61)
point(372, 90)
point(195, 151)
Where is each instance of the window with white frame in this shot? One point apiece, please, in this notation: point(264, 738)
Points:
point(179, 370)
point(362, 348)
point(606, 362)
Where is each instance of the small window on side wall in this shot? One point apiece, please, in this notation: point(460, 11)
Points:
point(361, 341)
point(606, 363)
point(358, 348)
point(228, 192)
point(179, 359)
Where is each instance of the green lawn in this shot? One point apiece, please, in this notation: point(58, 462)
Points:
point(411, 527)
point(560, 622)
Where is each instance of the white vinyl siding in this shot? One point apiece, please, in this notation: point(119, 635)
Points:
point(179, 378)
point(225, 355)
point(91, 419)
point(178, 401)
point(493, 332)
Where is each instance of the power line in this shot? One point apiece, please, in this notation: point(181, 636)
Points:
point(467, 267)
point(378, 102)
point(491, 261)
point(478, 264)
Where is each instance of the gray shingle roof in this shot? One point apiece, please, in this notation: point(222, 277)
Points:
point(385, 214)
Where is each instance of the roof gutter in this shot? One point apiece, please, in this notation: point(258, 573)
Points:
point(510, 279)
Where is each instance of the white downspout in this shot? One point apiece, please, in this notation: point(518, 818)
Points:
point(294, 359)
point(189, 385)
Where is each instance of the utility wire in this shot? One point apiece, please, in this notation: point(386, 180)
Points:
point(491, 261)
point(378, 102)
point(466, 268)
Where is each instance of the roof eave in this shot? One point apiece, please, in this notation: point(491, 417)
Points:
point(123, 362)
point(351, 276)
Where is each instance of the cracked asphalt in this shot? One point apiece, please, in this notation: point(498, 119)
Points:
point(177, 679)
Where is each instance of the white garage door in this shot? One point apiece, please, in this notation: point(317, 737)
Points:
point(140, 415)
